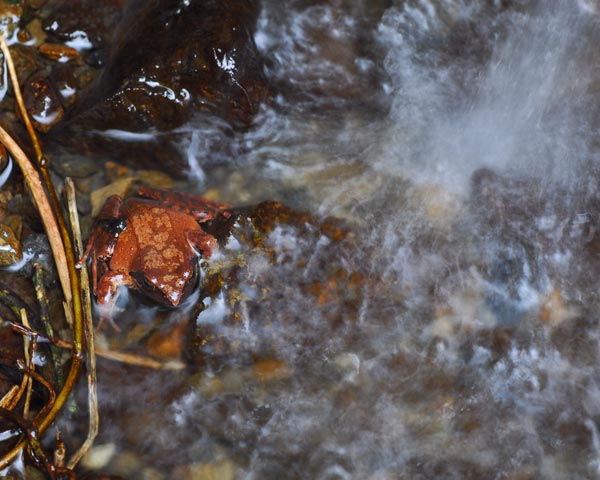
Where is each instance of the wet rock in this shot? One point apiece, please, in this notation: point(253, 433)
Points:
point(37, 250)
point(99, 456)
point(77, 166)
point(554, 312)
point(270, 369)
point(58, 52)
point(25, 60)
point(169, 61)
point(174, 57)
point(220, 469)
point(320, 55)
point(42, 104)
point(33, 31)
point(168, 343)
point(9, 18)
point(10, 246)
point(247, 314)
point(65, 83)
point(24, 36)
point(539, 234)
point(81, 24)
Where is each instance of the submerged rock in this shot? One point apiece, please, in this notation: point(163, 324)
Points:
point(277, 312)
point(248, 312)
point(10, 246)
point(245, 311)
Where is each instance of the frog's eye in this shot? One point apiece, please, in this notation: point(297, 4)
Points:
point(148, 283)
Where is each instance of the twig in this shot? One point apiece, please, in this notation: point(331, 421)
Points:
point(127, 358)
point(42, 381)
point(140, 361)
point(14, 399)
point(32, 178)
point(29, 348)
point(7, 399)
point(94, 418)
point(60, 243)
point(42, 298)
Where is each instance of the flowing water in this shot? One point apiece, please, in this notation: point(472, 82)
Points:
point(461, 138)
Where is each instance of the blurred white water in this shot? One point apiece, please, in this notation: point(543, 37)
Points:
point(509, 86)
point(525, 108)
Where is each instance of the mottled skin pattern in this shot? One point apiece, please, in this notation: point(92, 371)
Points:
point(150, 244)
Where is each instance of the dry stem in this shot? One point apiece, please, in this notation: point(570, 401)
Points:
point(88, 325)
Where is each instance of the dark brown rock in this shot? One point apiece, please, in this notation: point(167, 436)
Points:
point(88, 22)
point(168, 61)
point(171, 60)
point(42, 103)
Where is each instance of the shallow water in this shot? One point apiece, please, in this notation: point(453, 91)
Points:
point(461, 138)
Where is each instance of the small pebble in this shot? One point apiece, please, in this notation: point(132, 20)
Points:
point(58, 52)
point(10, 246)
point(99, 456)
point(23, 35)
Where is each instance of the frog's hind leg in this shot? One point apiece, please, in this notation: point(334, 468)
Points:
point(108, 294)
point(201, 208)
point(202, 242)
point(111, 209)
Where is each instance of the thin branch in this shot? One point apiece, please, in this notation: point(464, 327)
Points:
point(33, 181)
point(7, 399)
point(60, 243)
point(41, 380)
point(140, 361)
point(29, 347)
point(42, 298)
point(94, 418)
point(116, 356)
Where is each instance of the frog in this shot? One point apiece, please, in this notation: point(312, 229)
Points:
point(152, 243)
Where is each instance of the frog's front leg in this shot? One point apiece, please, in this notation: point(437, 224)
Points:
point(103, 237)
point(107, 294)
point(202, 242)
point(105, 231)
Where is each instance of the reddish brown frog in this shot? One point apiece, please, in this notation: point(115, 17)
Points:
point(150, 243)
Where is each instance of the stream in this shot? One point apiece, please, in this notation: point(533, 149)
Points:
point(462, 138)
point(454, 334)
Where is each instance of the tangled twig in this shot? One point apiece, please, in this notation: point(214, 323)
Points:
point(46, 201)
